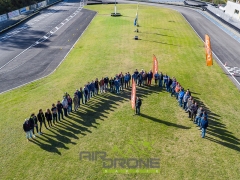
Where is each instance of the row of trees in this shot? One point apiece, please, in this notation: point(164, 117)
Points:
point(11, 5)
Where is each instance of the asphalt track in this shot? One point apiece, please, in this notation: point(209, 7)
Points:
point(35, 48)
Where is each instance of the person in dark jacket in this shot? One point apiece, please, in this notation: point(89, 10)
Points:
point(59, 110)
point(34, 123)
point(96, 86)
point(160, 79)
point(69, 99)
point(129, 79)
point(27, 129)
point(156, 77)
point(138, 105)
point(91, 88)
point(48, 116)
point(80, 96)
point(149, 77)
point(106, 80)
point(168, 84)
point(194, 112)
point(41, 119)
point(204, 125)
point(54, 113)
point(111, 83)
point(165, 78)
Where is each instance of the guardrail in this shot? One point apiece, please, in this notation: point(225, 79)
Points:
point(32, 10)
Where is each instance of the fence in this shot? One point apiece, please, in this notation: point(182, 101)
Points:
point(25, 10)
point(224, 16)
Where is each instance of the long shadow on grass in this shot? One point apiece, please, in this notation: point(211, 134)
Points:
point(88, 116)
point(160, 42)
point(218, 129)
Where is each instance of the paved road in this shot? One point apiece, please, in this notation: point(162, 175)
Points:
point(35, 48)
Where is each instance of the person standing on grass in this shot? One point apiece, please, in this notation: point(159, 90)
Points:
point(69, 99)
point(41, 120)
point(129, 79)
point(199, 115)
point(173, 86)
point(194, 112)
point(149, 77)
point(140, 79)
point(180, 97)
point(111, 82)
point(116, 83)
point(75, 102)
point(65, 106)
point(101, 84)
point(106, 80)
point(160, 78)
point(59, 109)
point(88, 87)
point(185, 99)
point(34, 123)
point(204, 115)
point(48, 116)
point(96, 86)
point(168, 84)
point(138, 105)
point(156, 78)
point(204, 125)
point(27, 129)
point(189, 103)
point(126, 81)
point(54, 113)
point(165, 78)
point(85, 91)
point(80, 96)
point(91, 88)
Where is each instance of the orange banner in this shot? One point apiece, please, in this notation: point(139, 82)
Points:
point(155, 64)
point(133, 94)
point(208, 49)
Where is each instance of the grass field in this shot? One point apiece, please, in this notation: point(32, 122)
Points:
point(107, 123)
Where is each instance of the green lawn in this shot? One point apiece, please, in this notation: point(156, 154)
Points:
point(107, 123)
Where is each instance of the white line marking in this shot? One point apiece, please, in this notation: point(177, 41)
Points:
point(212, 52)
point(56, 67)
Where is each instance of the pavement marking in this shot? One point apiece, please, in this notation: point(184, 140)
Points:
point(45, 37)
point(33, 21)
point(232, 74)
point(58, 64)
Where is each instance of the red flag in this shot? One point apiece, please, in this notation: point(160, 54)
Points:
point(208, 49)
point(155, 64)
point(133, 94)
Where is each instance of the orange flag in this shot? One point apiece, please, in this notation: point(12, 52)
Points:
point(155, 64)
point(208, 49)
point(133, 94)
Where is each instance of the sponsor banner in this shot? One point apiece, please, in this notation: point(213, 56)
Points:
point(3, 17)
point(155, 64)
point(13, 14)
point(208, 49)
point(23, 10)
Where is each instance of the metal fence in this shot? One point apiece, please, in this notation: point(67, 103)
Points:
point(25, 10)
point(224, 16)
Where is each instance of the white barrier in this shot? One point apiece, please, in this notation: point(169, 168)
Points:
point(13, 14)
point(24, 10)
point(3, 17)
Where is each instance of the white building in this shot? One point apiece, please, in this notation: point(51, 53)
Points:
point(233, 9)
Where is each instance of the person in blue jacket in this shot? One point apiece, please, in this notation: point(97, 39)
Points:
point(116, 83)
point(180, 97)
point(204, 124)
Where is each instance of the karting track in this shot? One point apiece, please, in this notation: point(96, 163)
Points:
point(35, 48)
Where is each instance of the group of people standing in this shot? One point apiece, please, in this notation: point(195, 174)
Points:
point(196, 113)
point(115, 84)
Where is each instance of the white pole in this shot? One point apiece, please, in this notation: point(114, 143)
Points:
point(115, 9)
